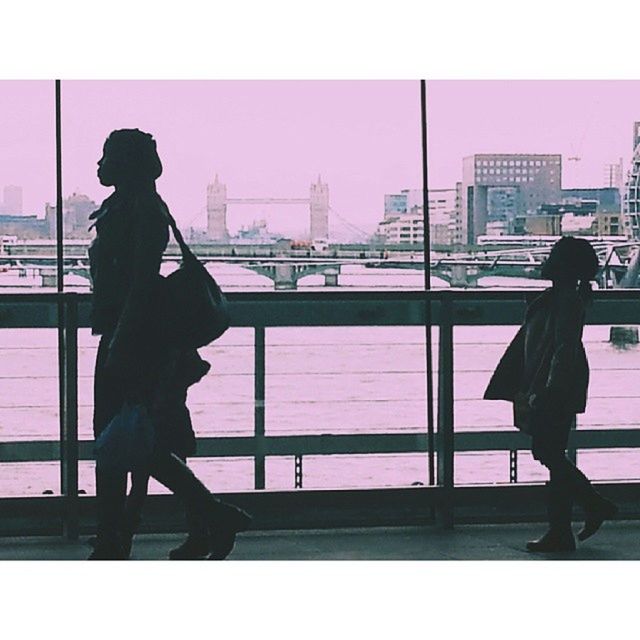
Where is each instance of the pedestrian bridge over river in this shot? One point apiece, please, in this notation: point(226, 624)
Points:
point(285, 267)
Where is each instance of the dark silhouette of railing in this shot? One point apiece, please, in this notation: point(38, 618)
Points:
point(260, 312)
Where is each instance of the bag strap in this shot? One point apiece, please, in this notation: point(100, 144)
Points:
point(187, 254)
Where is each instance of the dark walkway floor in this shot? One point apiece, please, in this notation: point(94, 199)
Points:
point(616, 541)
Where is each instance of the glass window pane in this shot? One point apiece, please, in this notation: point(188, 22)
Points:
point(258, 173)
point(28, 357)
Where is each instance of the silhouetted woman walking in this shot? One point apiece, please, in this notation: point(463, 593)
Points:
point(545, 373)
point(133, 364)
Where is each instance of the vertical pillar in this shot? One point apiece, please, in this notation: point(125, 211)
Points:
point(285, 276)
point(445, 465)
point(331, 276)
point(259, 408)
point(69, 462)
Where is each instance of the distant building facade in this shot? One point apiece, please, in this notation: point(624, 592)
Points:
point(542, 225)
point(631, 199)
point(608, 199)
point(497, 188)
point(28, 227)
point(11, 200)
point(395, 204)
point(403, 221)
point(597, 224)
point(407, 228)
point(76, 211)
point(571, 221)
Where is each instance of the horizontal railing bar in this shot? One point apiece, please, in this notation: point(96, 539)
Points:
point(464, 295)
point(334, 444)
point(346, 308)
point(30, 451)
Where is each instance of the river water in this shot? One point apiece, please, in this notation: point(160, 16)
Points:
point(320, 380)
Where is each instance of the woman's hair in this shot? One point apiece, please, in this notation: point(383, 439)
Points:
point(135, 151)
point(577, 259)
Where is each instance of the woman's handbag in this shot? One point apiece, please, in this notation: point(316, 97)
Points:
point(195, 310)
point(127, 442)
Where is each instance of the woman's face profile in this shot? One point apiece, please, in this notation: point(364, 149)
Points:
point(107, 167)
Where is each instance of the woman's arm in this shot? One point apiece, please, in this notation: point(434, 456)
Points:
point(150, 240)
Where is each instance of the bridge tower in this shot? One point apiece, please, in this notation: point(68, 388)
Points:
point(217, 211)
point(319, 210)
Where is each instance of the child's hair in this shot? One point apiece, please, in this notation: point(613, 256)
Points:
point(579, 261)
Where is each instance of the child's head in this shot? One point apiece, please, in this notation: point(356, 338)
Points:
point(571, 259)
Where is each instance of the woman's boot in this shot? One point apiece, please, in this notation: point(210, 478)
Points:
point(559, 537)
point(111, 488)
point(224, 520)
point(597, 509)
point(196, 546)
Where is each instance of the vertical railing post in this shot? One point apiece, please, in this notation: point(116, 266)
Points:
point(444, 514)
point(62, 349)
point(69, 461)
point(259, 394)
point(513, 466)
point(297, 463)
point(572, 452)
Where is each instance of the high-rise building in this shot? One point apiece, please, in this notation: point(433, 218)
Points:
point(631, 200)
point(499, 187)
point(12, 200)
point(457, 228)
point(613, 174)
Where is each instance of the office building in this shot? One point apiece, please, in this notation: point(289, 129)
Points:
point(500, 187)
point(403, 219)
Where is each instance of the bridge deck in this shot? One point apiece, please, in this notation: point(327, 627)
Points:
point(616, 541)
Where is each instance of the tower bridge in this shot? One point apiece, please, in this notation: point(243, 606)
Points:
point(217, 203)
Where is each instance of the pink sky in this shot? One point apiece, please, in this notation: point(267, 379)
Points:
point(272, 138)
point(590, 119)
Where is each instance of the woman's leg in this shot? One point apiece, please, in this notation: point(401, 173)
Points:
point(196, 546)
point(111, 491)
point(132, 513)
point(224, 520)
point(111, 484)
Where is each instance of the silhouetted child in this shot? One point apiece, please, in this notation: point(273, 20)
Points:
point(545, 374)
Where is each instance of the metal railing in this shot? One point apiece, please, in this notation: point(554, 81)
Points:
point(260, 312)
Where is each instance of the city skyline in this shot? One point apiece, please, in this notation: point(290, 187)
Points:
point(272, 138)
